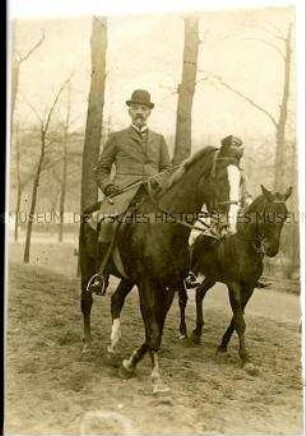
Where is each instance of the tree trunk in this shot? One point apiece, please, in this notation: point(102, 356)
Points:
point(26, 257)
point(64, 174)
point(89, 189)
point(62, 198)
point(17, 212)
point(186, 91)
point(280, 156)
point(18, 183)
point(14, 85)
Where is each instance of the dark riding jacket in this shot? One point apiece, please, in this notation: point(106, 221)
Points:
point(136, 156)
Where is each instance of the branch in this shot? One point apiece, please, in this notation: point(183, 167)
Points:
point(248, 99)
point(279, 51)
point(276, 33)
point(52, 163)
point(26, 181)
point(46, 126)
point(26, 56)
point(33, 109)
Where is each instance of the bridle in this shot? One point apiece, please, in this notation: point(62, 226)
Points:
point(198, 219)
point(258, 243)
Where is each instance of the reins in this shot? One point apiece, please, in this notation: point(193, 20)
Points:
point(151, 193)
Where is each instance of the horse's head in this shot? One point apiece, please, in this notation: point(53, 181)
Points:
point(271, 213)
point(221, 187)
point(205, 178)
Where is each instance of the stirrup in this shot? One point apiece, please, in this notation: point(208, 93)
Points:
point(191, 281)
point(102, 287)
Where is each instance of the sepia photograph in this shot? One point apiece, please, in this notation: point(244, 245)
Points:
point(154, 220)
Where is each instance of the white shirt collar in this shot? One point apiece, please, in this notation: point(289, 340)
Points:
point(141, 129)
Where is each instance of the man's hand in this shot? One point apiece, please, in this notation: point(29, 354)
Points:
point(248, 200)
point(156, 183)
point(111, 190)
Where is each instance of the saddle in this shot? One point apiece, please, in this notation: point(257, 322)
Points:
point(113, 207)
point(110, 217)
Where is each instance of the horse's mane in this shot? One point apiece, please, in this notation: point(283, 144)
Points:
point(185, 166)
point(261, 205)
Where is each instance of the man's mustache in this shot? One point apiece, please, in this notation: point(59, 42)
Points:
point(141, 117)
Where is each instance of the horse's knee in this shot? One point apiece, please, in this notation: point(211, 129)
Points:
point(154, 338)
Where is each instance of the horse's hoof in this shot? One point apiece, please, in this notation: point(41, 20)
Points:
point(221, 349)
point(127, 370)
point(183, 336)
point(86, 348)
point(160, 388)
point(111, 351)
point(196, 338)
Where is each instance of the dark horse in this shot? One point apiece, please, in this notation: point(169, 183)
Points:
point(155, 253)
point(237, 261)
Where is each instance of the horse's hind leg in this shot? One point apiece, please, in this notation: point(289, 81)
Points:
point(117, 302)
point(183, 298)
point(200, 294)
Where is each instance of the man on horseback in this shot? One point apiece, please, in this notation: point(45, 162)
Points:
point(138, 154)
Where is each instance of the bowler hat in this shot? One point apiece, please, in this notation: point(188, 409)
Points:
point(140, 96)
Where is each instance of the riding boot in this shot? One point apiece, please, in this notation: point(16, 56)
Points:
point(99, 282)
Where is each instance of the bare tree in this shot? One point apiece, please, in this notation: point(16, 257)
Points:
point(186, 89)
point(89, 190)
point(44, 143)
point(65, 166)
point(21, 182)
point(17, 60)
point(280, 121)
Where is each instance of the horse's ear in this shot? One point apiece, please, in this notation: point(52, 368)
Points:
point(287, 193)
point(268, 194)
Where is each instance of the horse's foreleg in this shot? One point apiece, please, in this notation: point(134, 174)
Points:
point(200, 294)
point(183, 298)
point(245, 297)
point(163, 304)
point(130, 364)
point(222, 348)
point(86, 304)
point(117, 302)
point(238, 303)
point(154, 305)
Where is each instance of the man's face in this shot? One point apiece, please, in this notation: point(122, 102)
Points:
point(139, 114)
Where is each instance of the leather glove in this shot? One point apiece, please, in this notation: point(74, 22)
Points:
point(247, 201)
point(156, 183)
point(111, 190)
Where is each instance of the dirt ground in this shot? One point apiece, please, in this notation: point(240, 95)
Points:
point(51, 388)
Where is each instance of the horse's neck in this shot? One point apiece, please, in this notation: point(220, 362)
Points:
point(248, 228)
point(183, 195)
